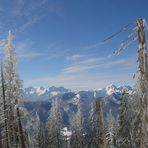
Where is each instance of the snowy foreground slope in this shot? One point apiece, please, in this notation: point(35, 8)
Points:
point(38, 100)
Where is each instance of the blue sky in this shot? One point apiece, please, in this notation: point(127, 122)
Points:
point(57, 42)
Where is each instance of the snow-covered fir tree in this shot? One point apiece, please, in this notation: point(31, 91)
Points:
point(136, 122)
point(54, 125)
point(111, 130)
point(124, 136)
point(11, 95)
point(77, 138)
point(91, 127)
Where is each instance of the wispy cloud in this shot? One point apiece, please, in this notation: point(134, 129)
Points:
point(75, 57)
point(82, 81)
point(79, 68)
point(95, 63)
point(26, 13)
point(29, 23)
point(27, 49)
point(29, 55)
point(79, 75)
point(82, 65)
point(24, 50)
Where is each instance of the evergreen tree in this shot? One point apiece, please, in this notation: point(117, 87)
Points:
point(54, 125)
point(125, 123)
point(77, 138)
point(111, 130)
point(91, 127)
point(42, 137)
point(136, 121)
point(12, 93)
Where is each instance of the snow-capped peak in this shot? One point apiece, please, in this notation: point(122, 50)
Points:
point(110, 89)
point(40, 90)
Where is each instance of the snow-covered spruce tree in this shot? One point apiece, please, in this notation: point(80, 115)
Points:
point(33, 129)
point(124, 135)
point(100, 136)
point(136, 122)
point(77, 138)
point(39, 135)
point(54, 125)
point(13, 91)
point(42, 137)
point(36, 132)
point(111, 130)
point(91, 127)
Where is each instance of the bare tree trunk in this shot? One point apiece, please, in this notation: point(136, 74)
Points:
point(20, 129)
point(100, 133)
point(143, 80)
point(1, 139)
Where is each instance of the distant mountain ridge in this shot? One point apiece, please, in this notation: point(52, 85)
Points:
point(42, 93)
point(47, 93)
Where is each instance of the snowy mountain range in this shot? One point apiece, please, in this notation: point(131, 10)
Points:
point(111, 92)
point(42, 93)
